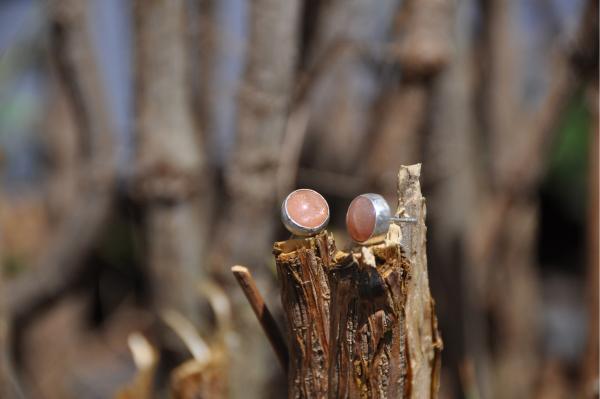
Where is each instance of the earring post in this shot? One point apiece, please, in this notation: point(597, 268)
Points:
point(403, 219)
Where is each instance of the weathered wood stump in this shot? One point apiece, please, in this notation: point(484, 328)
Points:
point(302, 267)
point(368, 333)
point(361, 324)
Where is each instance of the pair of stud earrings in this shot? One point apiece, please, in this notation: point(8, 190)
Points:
point(305, 212)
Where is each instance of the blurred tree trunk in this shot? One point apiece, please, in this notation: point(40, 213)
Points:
point(76, 231)
point(519, 361)
point(245, 231)
point(420, 49)
point(514, 368)
point(61, 141)
point(485, 214)
point(342, 100)
point(452, 157)
point(586, 54)
point(396, 139)
point(171, 168)
point(8, 381)
point(590, 377)
point(502, 246)
point(263, 105)
point(415, 123)
point(84, 199)
point(204, 40)
point(570, 67)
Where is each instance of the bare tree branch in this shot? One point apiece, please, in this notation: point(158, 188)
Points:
point(172, 177)
point(76, 233)
point(245, 229)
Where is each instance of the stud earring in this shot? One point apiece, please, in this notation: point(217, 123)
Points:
point(368, 218)
point(304, 212)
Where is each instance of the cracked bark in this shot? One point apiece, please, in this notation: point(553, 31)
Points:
point(362, 324)
point(302, 267)
point(368, 356)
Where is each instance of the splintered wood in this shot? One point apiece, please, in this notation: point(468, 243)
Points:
point(302, 267)
point(362, 324)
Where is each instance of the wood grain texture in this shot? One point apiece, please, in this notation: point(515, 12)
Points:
point(423, 340)
point(302, 266)
point(362, 324)
point(368, 332)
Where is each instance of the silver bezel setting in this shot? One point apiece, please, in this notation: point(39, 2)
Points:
point(383, 216)
point(296, 228)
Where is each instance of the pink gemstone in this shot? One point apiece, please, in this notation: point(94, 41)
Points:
point(360, 219)
point(307, 208)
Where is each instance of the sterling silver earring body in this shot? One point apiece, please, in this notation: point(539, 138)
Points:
point(368, 218)
point(305, 212)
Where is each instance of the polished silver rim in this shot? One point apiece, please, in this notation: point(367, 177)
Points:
point(382, 217)
point(297, 228)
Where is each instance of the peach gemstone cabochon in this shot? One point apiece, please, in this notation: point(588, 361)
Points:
point(307, 208)
point(360, 219)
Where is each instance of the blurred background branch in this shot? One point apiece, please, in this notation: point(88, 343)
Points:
point(95, 176)
point(145, 146)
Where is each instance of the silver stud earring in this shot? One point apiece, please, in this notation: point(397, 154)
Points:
point(305, 212)
point(368, 218)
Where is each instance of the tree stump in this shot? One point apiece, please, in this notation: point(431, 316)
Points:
point(368, 332)
point(302, 268)
point(362, 324)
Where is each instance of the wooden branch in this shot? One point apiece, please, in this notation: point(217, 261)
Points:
point(171, 168)
point(170, 159)
point(368, 351)
point(362, 324)
point(302, 265)
point(397, 139)
point(519, 148)
point(425, 43)
point(76, 233)
point(520, 177)
point(206, 38)
point(264, 98)
point(453, 155)
point(9, 385)
point(590, 367)
point(245, 229)
point(421, 49)
point(500, 80)
point(569, 70)
point(264, 316)
point(423, 340)
point(343, 30)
